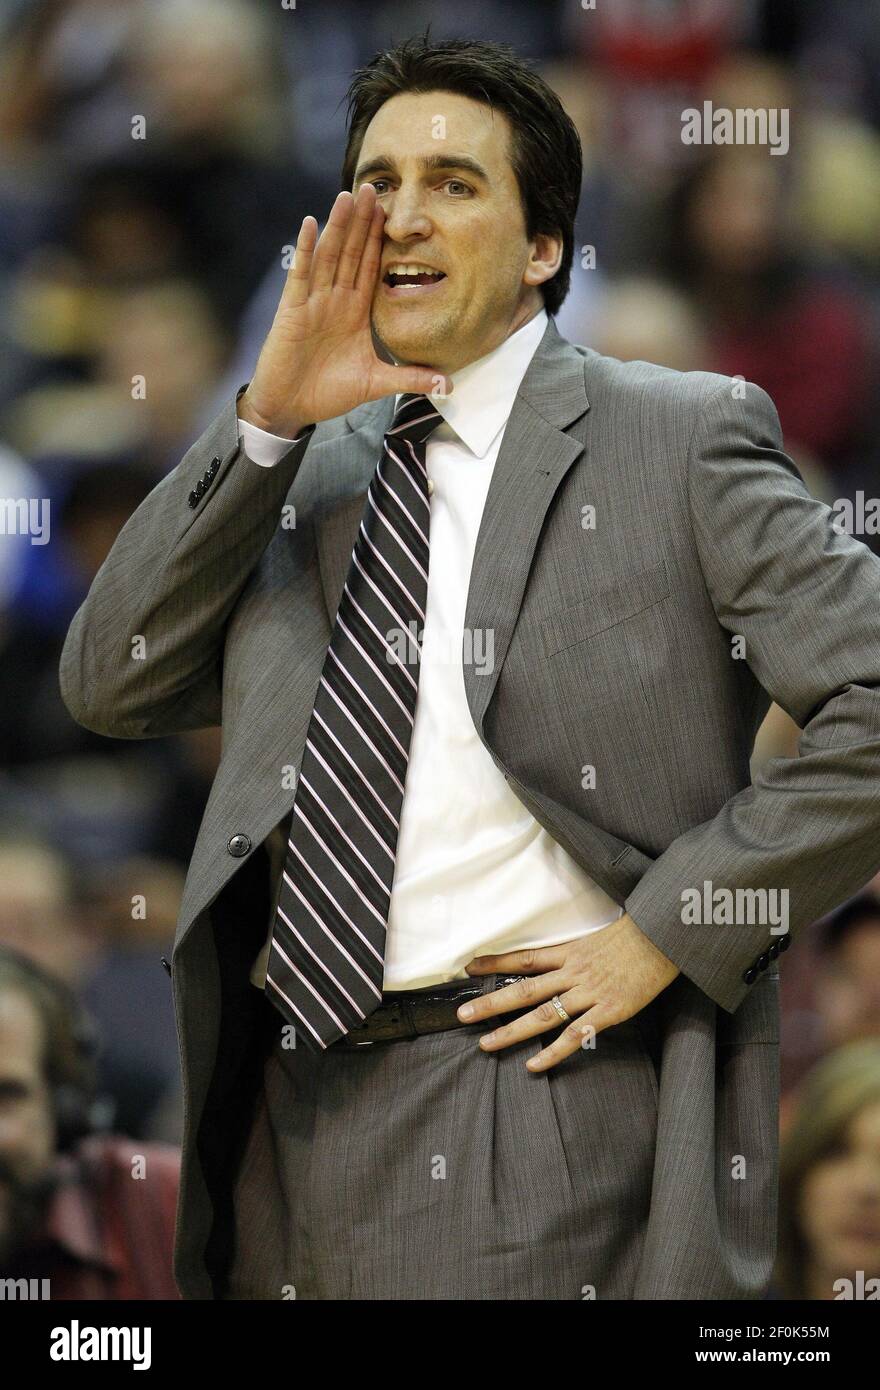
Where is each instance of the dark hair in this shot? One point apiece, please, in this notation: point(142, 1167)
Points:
point(546, 149)
point(69, 1043)
point(864, 907)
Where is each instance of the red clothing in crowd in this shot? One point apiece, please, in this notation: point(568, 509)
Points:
point(811, 354)
point(108, 1234)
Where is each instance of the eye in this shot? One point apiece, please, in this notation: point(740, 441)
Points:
point(376, 182)
point(458, 183)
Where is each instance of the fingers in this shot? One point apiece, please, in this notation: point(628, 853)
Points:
point(356, 237)
point(387, 380)
point(331, 242)
point(541, 1020)
point(520, 995)
point(570, 1039)
point(339, 250)
point(371, 259)
point(296, 286)
point(518, 962)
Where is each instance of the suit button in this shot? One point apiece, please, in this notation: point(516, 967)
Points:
point(215, 464)
point(193, 499)
point(750, 975)
point(239, 846)
point(764, 960)
point(784, 942)
point(774, 950)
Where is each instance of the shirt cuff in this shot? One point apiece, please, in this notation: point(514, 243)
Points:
point(262, 447)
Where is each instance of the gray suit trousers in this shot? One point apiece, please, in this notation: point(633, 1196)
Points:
point(428, 1169)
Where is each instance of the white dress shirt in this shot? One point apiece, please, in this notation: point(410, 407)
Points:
point(475, 873)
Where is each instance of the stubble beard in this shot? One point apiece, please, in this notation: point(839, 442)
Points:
point(436, 334)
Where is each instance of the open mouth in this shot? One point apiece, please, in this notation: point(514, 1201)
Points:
point(412, 277)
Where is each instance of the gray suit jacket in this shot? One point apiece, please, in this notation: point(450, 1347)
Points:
point(612, 649)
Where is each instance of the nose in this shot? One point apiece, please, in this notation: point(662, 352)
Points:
point(406, 215)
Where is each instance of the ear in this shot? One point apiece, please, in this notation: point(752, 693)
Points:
point(545, 258)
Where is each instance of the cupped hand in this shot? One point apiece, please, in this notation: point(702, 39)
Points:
point(319, 359)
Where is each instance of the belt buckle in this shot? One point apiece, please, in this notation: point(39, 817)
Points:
point(349, 1039)
point(407, 1017)
point(405, 1010)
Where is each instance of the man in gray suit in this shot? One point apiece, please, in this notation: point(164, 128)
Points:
point(625, 569)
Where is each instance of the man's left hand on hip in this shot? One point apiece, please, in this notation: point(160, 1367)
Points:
point(600, 979)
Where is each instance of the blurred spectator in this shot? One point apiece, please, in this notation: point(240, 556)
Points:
point(835, 49)
point(132, 906)
point(642, 319)
point(128, 797)
point(63, 65)
point(88, 506)
point(167, 339)
point(829, 1196)
point(653, 60)
point(839, 190)
point(198, 183)
point(206, 78)
point(93, 1214)
point(103, 931)
point(38, 916)
point(34, 724)
point(848, 988)
point(772, 318)
point(829, 990)
point(154, 351)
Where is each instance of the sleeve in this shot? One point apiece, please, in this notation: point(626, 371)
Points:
point(143, 657)
point(805, 599)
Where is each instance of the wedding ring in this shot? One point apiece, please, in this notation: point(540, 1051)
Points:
point(560, 1009)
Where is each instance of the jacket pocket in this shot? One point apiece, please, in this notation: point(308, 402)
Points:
point(608, 605)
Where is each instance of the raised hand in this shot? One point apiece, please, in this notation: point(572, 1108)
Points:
point(318, 360)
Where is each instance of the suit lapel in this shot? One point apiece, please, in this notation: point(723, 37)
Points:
point(535, 456)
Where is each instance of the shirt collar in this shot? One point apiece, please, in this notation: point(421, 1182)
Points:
point(484, 391)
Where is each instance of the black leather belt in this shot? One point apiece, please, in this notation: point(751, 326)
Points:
point(409, 1013)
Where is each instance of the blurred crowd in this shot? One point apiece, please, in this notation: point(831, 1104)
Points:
point(156, 157)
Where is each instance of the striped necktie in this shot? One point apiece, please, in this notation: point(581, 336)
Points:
point(327, 957)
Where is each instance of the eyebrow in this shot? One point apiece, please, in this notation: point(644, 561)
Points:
point(432, 162)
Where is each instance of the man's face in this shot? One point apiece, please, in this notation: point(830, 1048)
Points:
point(440, 164)
point(27, 1131)
point(840, 1202)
